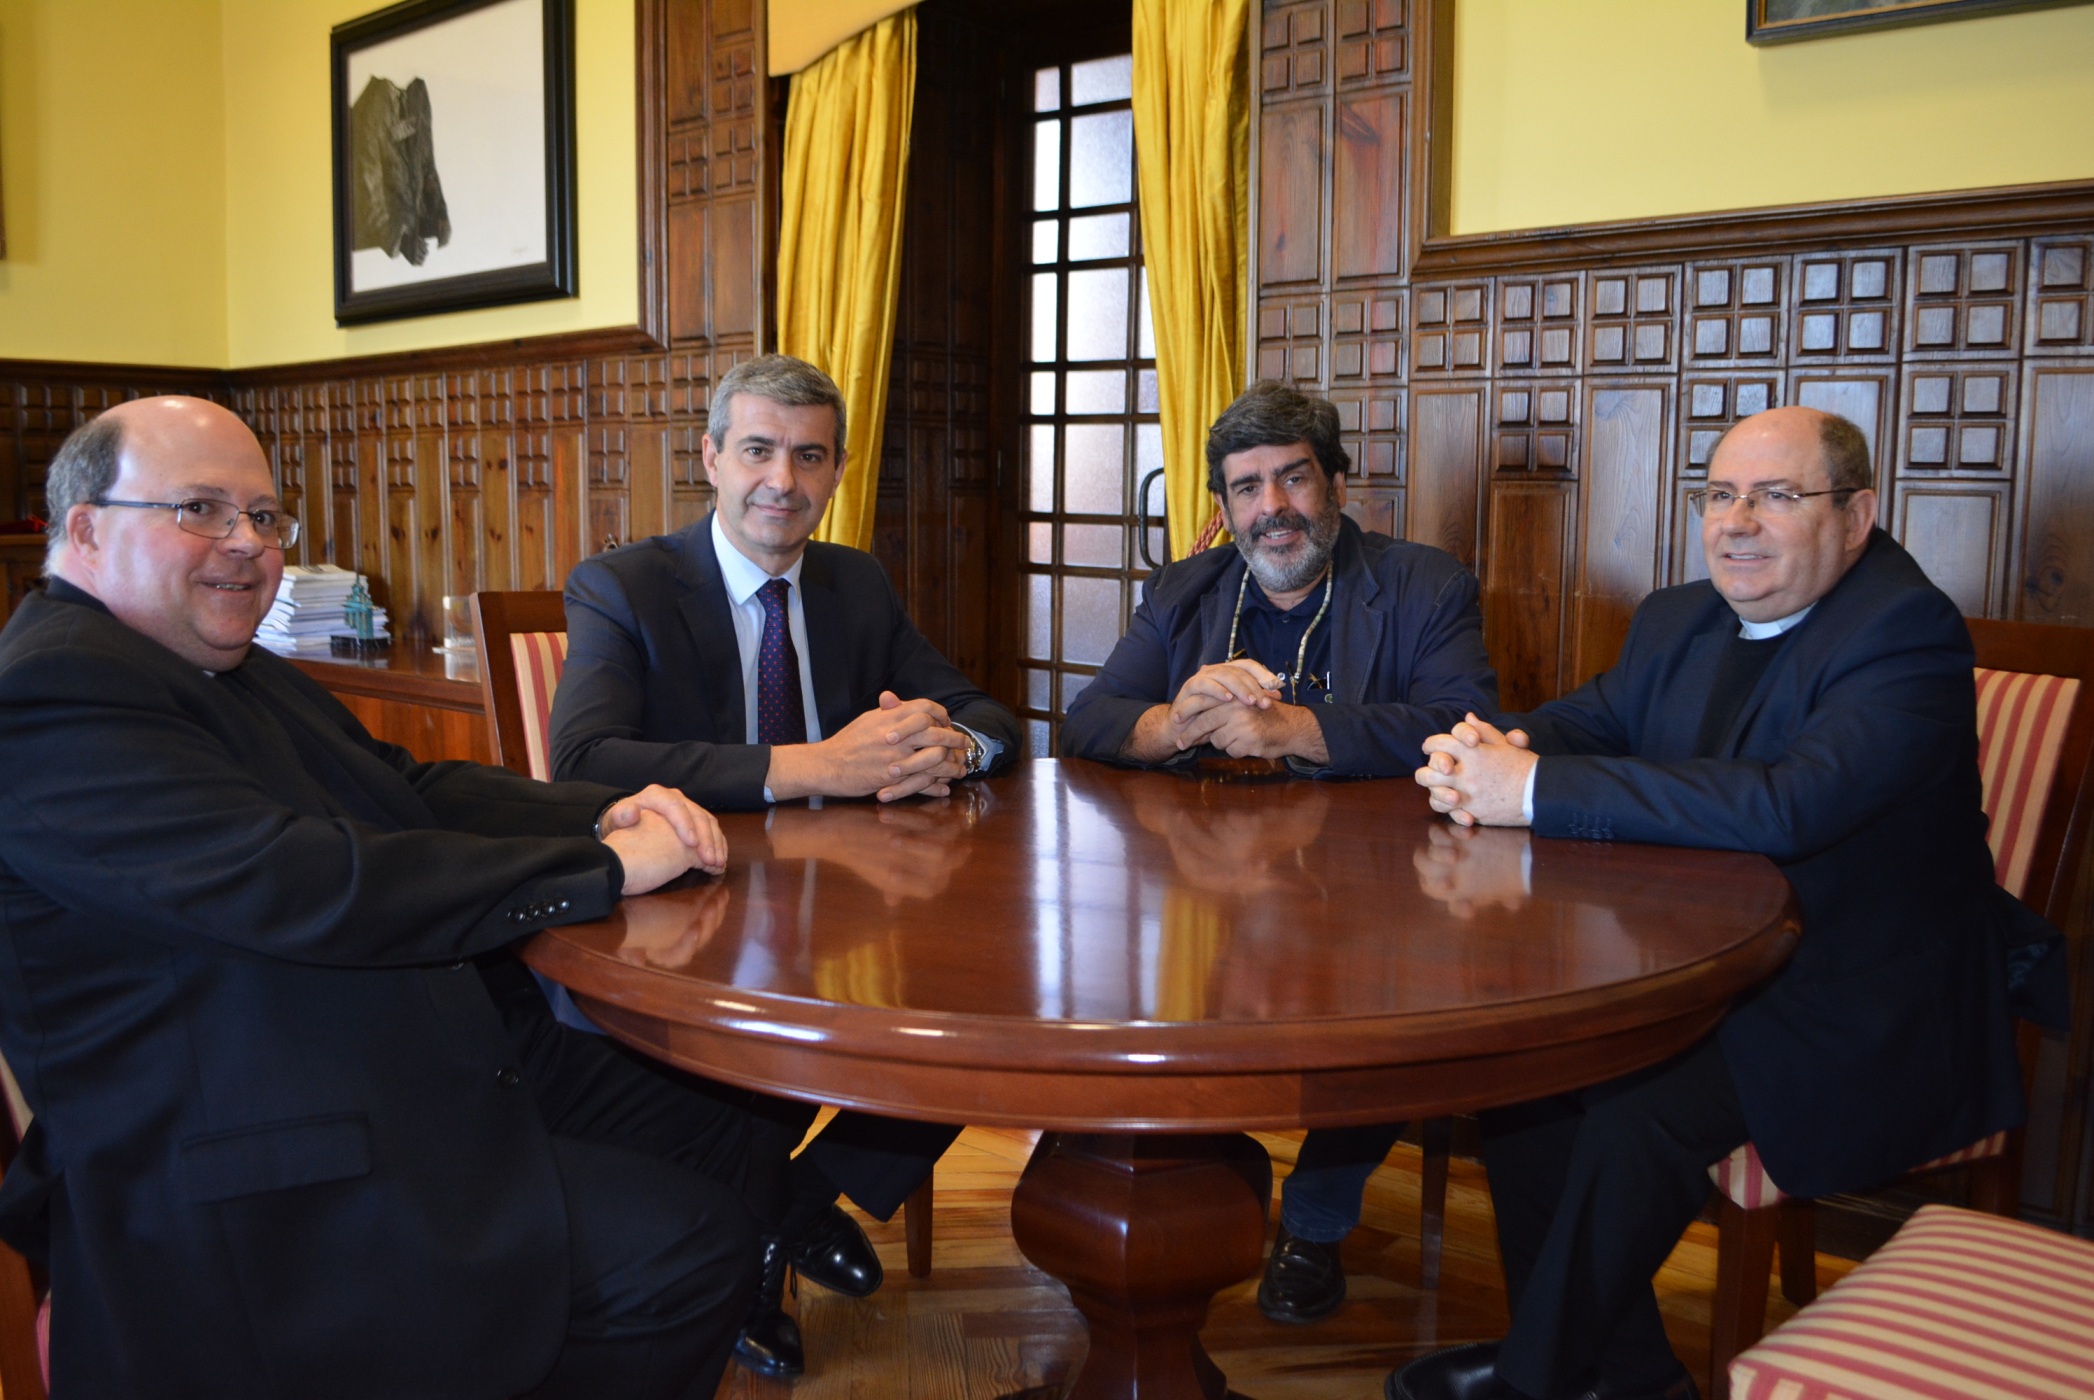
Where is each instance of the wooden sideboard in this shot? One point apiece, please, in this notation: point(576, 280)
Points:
point(426, 701)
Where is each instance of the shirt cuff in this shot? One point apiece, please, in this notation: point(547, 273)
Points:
point(1527, 795)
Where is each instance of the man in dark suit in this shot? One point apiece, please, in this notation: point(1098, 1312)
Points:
point(283, 1143)
point(745, 665)
point(1812, 701)
point(1313, 642)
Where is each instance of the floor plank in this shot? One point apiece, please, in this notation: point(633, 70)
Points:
point(986, 1322)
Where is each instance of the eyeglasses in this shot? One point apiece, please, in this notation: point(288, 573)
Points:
point(1773, 500)
point(214, 520)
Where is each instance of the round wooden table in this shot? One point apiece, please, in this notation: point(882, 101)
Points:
point(1150, 963)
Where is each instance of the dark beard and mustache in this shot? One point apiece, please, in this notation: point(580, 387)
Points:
point(1319, 534)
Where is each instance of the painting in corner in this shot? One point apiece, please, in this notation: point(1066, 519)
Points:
point(1779, 21)
point(453, 157)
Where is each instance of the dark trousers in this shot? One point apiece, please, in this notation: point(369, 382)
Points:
point(877, 1161)
point(661, 1262)
point(1322, 1197)
point(1592, 1190)
point(667, 1179)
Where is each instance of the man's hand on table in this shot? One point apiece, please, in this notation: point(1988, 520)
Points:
point(1477, 775)
point(1234, 706)
point(903, 748)
point(658, 834)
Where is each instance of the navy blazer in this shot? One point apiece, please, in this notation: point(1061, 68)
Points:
point(1407, 657)
point(1886, 1041)
point(652, 688)
point(279, 1142)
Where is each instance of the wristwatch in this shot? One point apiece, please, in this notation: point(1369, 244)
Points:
point(977, 753)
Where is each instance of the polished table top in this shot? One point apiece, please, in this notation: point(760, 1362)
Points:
point(1087, 948)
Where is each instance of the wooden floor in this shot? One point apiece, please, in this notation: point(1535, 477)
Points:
point(986, 1322)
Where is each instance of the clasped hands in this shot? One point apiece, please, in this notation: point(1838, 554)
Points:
point(903, 748)
point(658, 834)
point(1234, 706)
point(1478, 774)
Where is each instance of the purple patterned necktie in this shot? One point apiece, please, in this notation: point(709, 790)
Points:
point(781, 715)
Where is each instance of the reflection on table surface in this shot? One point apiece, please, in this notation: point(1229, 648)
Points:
point(1077, 892)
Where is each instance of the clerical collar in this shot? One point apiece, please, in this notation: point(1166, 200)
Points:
point(743, 575)
point(1761, 631)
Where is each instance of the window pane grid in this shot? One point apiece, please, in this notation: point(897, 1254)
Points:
point(1093, 428)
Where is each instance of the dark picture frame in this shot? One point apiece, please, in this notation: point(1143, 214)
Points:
point(448, 90)
point(1782, 21)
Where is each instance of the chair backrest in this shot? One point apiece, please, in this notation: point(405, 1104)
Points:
point(522, 638)
point(2035, 740)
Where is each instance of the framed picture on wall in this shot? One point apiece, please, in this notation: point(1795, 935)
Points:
point(1778, 21)
point(453, 157)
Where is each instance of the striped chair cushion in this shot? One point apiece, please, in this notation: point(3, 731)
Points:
point(539, 658)
point(1958, 1304)
point(2021, 728)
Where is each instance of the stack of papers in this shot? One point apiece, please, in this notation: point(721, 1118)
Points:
point(308, 610)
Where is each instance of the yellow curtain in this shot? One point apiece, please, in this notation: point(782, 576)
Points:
point(1192, 144)
point(840, 239)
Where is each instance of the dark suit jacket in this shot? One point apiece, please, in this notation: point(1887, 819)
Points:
point(1886, 1041)
point(278, 1141)
point(1407, 656)
point(652, 689)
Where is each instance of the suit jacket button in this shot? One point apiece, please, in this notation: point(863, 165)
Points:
point(516, 916)
point(507, 1077)
point(565, 905)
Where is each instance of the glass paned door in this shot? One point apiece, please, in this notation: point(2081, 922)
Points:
point(1092, 431)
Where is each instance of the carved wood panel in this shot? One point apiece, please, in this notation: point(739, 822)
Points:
point(1563, 407)
point(936, 508)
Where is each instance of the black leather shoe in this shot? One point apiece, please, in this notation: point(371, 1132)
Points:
point(1303, 1280)
point(769, 1344)
point(1457, 1373)
point(835, 1253)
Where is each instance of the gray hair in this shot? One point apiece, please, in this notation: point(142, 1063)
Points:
point(1847, 464)
point(1272, 414)
point(81, 474)
point(781, 379)
point(1842, 445)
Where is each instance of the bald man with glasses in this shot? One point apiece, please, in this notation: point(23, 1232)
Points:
point(1812, 700)
point(296, 1130)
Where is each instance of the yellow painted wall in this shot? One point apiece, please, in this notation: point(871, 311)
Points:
point(168, 195)
point(1575, 111)
point(801, 31)
point(112, 149)
point(279, 207)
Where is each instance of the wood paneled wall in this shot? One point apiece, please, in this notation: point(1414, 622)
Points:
point(1540, 405)
point(937, 506)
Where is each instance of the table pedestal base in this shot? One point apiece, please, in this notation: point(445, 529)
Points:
point(1144, 1229)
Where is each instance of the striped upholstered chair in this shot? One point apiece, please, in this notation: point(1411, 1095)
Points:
point(2035, 733)
point(522, 640)
point(1957, 1304)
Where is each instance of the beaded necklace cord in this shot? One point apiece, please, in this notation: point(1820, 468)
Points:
point(1301, 653)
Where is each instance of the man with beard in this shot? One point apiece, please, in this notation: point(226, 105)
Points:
point(745, 663)
point(1313, 642)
